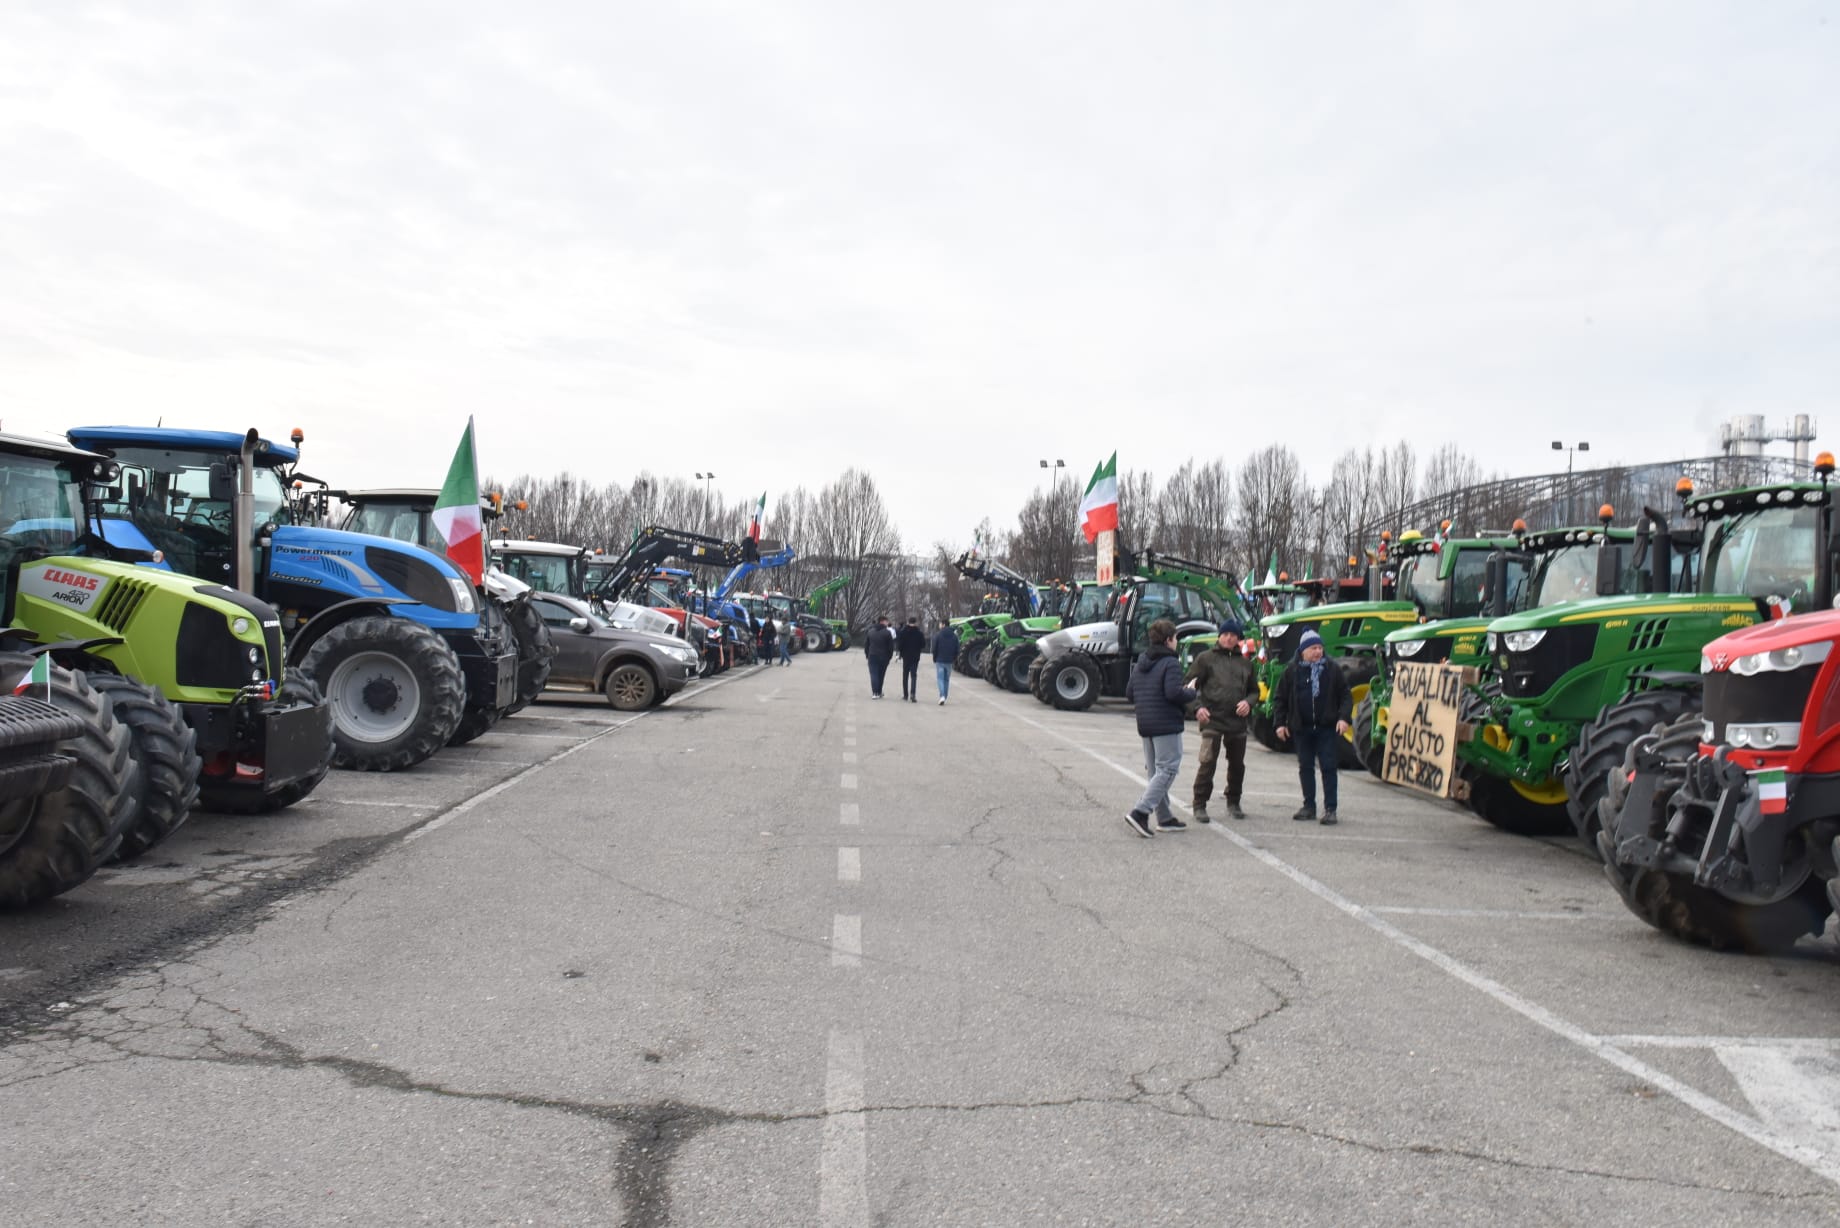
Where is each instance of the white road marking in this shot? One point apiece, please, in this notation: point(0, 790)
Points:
point(1795, 1091)
point(1502, 913)
point(478, 799)
point(849, 756)
point(849, 741)
point(849, 814)
point(1786, 1143)
point(843, 1160)
point(849, 870)
point(1308, 831)
point(359, 801)
point(849, 780)
point(846, 941)
point(1810, 1043)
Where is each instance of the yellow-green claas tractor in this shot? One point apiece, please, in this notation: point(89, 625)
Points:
point(195, 670)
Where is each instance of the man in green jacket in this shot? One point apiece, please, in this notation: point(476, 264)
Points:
point(1226, 689)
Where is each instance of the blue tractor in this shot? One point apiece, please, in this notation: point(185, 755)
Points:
point(408, 657)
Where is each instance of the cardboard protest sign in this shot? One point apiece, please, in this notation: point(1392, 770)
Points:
point(1421, 727)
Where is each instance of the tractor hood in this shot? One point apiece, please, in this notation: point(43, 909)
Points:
point(1783, 633)
point(1336, 612)
point(358, 565)
point(1088, 637)
point(1740, 611)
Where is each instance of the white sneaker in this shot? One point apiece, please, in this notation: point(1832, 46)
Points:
point(942, 701)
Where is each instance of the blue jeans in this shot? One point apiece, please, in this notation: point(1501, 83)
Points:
point(1162, 764)
point(942, 674)
point(785, 650)
point(1316, 749)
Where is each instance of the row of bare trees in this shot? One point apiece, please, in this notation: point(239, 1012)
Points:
point(843, 528)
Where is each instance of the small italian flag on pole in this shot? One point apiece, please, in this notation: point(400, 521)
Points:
point(1271, 568)
point(1772, 790)
point(760, 513)
point(456, 512)
point(40, 675)
point(1099, 507)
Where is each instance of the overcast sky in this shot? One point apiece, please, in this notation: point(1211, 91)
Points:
point(939, 240)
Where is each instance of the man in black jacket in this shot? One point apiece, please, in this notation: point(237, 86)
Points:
point(945, 654)
point(880, 649)
point(1226, 687)
point(1312, 708)
point(1156, 691)
point(910, 642)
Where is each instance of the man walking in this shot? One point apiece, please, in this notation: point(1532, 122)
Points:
point(767, 632)
point(1156, 691)
point(880, 649)
point(945, 656)
point(1225, 686)
point(1311, 708)
point(785, 643)
point(910, 643)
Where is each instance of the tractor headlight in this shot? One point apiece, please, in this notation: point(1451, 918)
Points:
point(255, 656)
point(1490, 647)
point(1781, 660)
point(1278, 631)
point(463, 595)
point(1407, 648)
point(239, 626)
point(1522, 641)
point(1766, 736)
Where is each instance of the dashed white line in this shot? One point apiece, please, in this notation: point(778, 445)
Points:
point(846, 941)
point(849, 869)
point(849, 741)
point(1749, 1127)
point(849, 756)
point(849, 814)
point(843, 1163)
point(849, 780)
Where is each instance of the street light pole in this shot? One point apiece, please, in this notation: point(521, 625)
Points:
point(1054, 542)
point(705, 479)
point(1559, 446)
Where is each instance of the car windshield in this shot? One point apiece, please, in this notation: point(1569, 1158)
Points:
point(1770, 552)
point(39, 507)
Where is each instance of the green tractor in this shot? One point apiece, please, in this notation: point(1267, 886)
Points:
point(1436, 579)
point(193, 671)
point(1544, 569)
point(1016, 644)
point(1013, 597)
point(815, 602)
point(1078, 663)
point(1573, 685)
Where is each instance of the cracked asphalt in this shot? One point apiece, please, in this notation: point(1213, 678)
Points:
point(587, 971)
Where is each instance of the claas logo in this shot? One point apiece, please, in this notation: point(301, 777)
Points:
point(54, 575)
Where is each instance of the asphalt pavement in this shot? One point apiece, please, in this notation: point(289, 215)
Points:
point(778, 953)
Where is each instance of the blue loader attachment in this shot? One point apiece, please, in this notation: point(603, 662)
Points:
point(394, 635)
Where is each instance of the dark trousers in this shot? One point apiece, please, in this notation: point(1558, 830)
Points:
point(1316, 749)
point(1211, 745)
point(878, 670)
point(910, 677)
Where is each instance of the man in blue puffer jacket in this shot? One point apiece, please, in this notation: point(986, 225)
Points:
point(1155, 689)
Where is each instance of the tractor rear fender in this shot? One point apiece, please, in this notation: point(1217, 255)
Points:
point(303, 636)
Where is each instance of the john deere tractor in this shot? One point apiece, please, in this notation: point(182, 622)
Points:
point(194, 672)
point(1543, 569)
point(407, 656)
point(1077, 664)
point(1575, 684)
point(1436, 580)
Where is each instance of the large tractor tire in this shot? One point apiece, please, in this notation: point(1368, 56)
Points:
point(301, 689)
point(1015, 668)
point(163, 759)
point(395, 688)
point(1512, 805)
point(992, 656)
point(536, 650)
point(474, 722)
point(53, 842)
point(1604, 744)
point(630, 687)
point(971, 656)
point(1370, 750)
point(1359, 673)
point(1038, 669)
point(1673, 903)
point(1072, 683)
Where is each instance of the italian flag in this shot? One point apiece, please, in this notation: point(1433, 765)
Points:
point(760, 513)
point(39, 676)
point(1099, 506)
point(456, 512)
point(1772, 790)
point(1271, 568)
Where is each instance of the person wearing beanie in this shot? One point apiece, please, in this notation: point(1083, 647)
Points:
point(1226, 688)
point(1312, 707)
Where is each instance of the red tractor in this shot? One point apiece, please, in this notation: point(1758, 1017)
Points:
point(1721, 828)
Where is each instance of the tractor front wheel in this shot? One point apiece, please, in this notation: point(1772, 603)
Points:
point(1072, 683)
point(395, 689)
point(163, 751)
point(536, 652)
point(1603, 745)
point(1015, 669)
point(1368, 748)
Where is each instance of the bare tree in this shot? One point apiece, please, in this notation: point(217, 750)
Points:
point(1274, 504)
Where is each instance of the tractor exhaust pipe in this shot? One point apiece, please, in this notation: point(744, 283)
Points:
point(243, 524)
point(1660, 550)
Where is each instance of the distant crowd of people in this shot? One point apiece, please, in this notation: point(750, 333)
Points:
point(909, 643)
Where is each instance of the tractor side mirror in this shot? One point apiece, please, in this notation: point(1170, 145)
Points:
point(223, 483)
point(580, 625)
